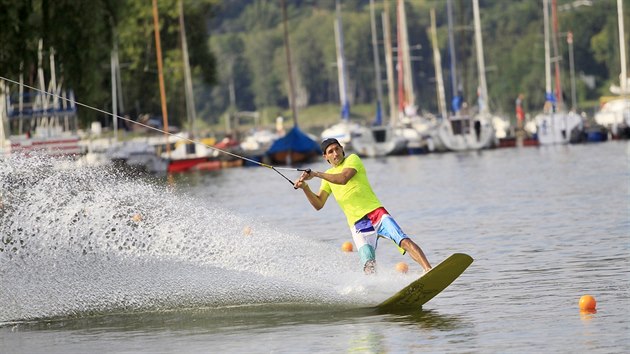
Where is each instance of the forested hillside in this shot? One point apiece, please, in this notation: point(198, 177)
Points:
point(238, 59)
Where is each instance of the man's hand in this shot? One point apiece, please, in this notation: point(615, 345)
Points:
point(300, 183)
point(306, 175)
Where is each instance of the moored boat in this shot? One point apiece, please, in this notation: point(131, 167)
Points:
point(615, 116)
point(45, 118)
point(294, 147)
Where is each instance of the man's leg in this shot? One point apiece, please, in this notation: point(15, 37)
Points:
point(416, 253)
point(390, 229)
point(364, 236)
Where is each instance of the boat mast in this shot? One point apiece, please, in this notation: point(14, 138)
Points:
point(399, 67)
point(377, 67)
point(41, 99)
point(623, 80)
point(190, 97)
point(158, 52)
point(451, 47)
point(548, 93)
point(403, 53)
point(21, 98)
point(389, 63)
point(572, 71)
point(437, 61)
point(341, 65)
point(556, 59)
point(288, 54)
point(481, 66)
point(113, 64)
point(3, 116)
point(117, 98)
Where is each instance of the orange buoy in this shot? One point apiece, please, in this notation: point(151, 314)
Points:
point(587, 303)
point(247, 231)
point(136, 217)
point(347, 246)
point(402, 267)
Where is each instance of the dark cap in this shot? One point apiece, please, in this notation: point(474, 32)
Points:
point(327, 142)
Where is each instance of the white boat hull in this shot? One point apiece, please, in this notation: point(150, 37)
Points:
point(344, 132)
point(378, 141)
point(557, 128)
point(614, 115)
point(466, 133)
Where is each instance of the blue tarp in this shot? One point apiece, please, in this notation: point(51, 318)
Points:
point(295, 140)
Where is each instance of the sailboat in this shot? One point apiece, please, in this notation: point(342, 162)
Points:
point(615, 114)
point(345, 130)
point(418, 130)
point(188, 155)
point(464, 131)
point(185, 155)
point(138, 153)
point(295, 146)
point(46, 117)
point(554, 125)
point(379, 139)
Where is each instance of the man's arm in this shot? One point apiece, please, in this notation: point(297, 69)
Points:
point(337, 178)
point(317, 200)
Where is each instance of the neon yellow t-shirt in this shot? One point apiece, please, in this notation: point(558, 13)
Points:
point(356, 197)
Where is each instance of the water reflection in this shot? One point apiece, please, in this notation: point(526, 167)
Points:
point(216, 319)
point(428, 319)
point(249, 317)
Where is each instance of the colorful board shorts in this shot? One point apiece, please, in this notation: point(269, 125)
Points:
point(366, 232)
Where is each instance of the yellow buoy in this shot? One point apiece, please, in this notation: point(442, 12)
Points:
point(247, 231)
point(346, 246)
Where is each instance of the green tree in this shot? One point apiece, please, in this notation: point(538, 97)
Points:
point(138, 57)
point(313, 40)
point(260, 51)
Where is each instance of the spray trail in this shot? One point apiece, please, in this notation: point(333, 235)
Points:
point(94, 240)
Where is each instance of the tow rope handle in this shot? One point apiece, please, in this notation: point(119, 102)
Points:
point(307, 170)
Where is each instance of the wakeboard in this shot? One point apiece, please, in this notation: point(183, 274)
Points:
point(428, 285)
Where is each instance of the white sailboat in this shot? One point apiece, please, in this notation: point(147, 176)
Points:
point(554, 125)
point(615, 114)
point(416, 129)
point(46, 116)
point(345, 130)
point(463, 131)
point(381, 138)
point(489, 122)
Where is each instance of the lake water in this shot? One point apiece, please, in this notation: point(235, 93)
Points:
point(97, 260)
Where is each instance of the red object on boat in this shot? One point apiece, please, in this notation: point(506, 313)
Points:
point(208, 166)
point(227, 142)
point(181, 165)
point(513, 142)
point(50, 146)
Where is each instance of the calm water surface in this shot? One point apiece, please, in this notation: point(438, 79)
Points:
point(544, 225)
